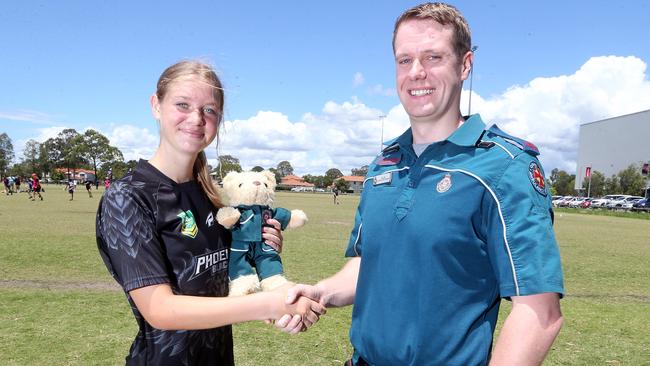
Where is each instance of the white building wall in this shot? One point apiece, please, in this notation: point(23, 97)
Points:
point(611, 145)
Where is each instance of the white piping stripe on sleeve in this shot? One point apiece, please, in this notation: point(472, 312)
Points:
point(247, 220)
point(503, 222)
point(388, 171)
point(504, 149)
point(357, 241)
point(238, 250)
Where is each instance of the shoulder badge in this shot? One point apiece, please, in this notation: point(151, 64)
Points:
point(524, 145)
point(537, 178)
point(389, 156)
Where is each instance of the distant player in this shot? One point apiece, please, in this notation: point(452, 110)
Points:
point(72, 185)
point(89, 185)
point(36, 187)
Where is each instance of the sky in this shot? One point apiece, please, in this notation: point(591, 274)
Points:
point(309, 81)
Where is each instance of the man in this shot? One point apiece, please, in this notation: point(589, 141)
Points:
point(453, 217)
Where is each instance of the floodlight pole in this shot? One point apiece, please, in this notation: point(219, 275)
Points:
point(381, 143)
point(471, 79)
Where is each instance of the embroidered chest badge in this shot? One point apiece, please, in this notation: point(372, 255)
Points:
point(444, 184)
point(188, 224)
point(537, 178)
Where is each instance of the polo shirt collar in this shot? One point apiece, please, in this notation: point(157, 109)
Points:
point(468, 134)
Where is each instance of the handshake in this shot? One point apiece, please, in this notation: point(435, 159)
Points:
point(302, 306)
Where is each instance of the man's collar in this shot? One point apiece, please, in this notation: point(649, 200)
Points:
point(468, 134)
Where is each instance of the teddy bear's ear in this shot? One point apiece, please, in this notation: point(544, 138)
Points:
point(270, 176)
point(230, 176)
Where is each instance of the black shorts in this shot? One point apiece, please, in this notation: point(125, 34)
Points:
point(37, 189)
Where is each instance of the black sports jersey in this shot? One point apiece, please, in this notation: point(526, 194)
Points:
point(152, 230)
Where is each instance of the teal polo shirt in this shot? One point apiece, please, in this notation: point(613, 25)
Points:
point(442, 238)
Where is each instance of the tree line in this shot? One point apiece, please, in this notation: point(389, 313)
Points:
point(228, 163)
point(91, 150)
point(628, 181)
point(70, 150)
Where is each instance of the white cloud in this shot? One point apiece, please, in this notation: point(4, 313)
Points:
point(134, 142)
point(358, 79)
point(548, 111)
point(343, 136)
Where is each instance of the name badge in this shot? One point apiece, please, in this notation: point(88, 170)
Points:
point(385, 178)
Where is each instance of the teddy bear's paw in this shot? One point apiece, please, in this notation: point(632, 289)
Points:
point(273, 282)
point(244, 285)
point(298, 219)
point(228, 216)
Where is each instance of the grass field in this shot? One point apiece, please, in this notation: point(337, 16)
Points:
point(59, 306)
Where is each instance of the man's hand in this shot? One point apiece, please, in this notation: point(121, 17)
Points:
point(294, 324)
point(299, 314)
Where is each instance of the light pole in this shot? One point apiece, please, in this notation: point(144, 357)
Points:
point(381, 143)
point(471, 77)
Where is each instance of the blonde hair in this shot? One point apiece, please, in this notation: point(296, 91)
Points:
point(204, 73)
point(444, 14)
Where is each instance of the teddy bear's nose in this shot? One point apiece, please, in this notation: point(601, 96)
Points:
point(256, 183)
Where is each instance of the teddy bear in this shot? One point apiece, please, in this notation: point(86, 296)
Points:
point(249, 197)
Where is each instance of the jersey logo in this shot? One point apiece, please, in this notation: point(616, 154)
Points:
point(210, 220)
point(214, 261)
point(188, 224)
point(444, 184)
point(537, 178)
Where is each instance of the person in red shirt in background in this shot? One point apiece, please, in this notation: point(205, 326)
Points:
point(36, 186)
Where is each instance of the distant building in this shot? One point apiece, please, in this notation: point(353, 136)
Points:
point(355, 182)
point(612, 144)
point(80, 175)
point(292, 181)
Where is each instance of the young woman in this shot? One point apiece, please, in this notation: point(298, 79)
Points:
point(158, 235)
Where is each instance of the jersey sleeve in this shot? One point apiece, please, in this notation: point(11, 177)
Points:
point(283, 216)
point(127, 239)
point(521, 241)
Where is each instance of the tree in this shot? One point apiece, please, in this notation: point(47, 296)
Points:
point(612, 185)
point(631, 180)
point(31, 155)
point(257, 168)
point(60, 151)
point(597, 184)
point(73, 152)
point(6, 152)
point(278, 177)
point(284, 168)
point(361, 172)
point(342, 185)
point(96, 149)
point(227, 164)
point(563, 183)
point(333, 173)
point(119, 168)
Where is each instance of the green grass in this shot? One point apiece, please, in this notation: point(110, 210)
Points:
point(59, 306)
point(644, 215)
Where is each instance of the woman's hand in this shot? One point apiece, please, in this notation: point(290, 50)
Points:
point(273, 235)
point(303, 312)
